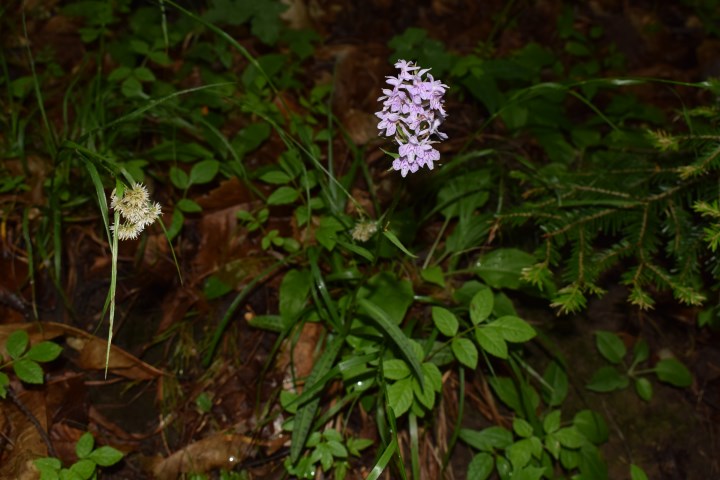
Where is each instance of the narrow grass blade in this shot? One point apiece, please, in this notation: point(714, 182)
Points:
point(396, 241)
point(383, 461)
point(396, 335)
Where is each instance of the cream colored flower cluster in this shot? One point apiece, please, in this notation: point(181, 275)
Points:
point(136, 211)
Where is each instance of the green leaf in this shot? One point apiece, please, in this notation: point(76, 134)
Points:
point(395, 369)
point(551, 422)
point(396, 241)
point(465, 351)
point(513, 329)
point(188, 206)
point(637, 473)
point(644, 389)
point(502, 268)
point(119, 73)
point(425, 395)
point(487, 440)
point(433, 377)
point(283, 196)
point(400, 340)
point(400, 396)
point(481, 305)
point(144, 74)
point(434, 275)
point(275, 177)
point(179, 178)
point(106, 456)
point(17, 343)
point(610, 346)
point(607, 379)
point(491, 341)
point(570, 437)
point(84, 445)
point(481, 466)
point(204, 172)
point(445, 321)
point(673, 372)
point(641, 351)
point(28, 371)
point(4, 382)
point(522, 428)
point(592, 425)
point(215, 288)
point(294, 292)
point(557, 379)
point(83, 468)
point(132, 88)
point(519, 453)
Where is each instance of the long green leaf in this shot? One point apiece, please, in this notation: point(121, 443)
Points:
point(396, 335)
point(382, 462)
point(306, 414)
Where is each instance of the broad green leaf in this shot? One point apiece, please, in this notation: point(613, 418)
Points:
point(84, 468)
point(607, 379)
point(132, 88)
point(570, 437)
point(610, 346)
point(506, 389)
point(395, 369)
point(513, 329)
point(519, 453)
point(401, 341)
point(283, 196)
point(400, 396)
point(426, 395)
point(188, 206)
point(644, 389)
point(592, 465)
point(502, 268)
point(294, 291)
point(557, 379)
point(528, 473)
point(433, 275)
point(637, 473)
point(84, 445)
point(396, 241)
point(487, 440)
point(592, 425)
point(551, 422)
point(215, 287)
point(481, 466)
point(120, 73)
point(106, 456)
point(522, 428)
point(433, 377)
point(179, 178)
point(144, 74)
point(17, 343)
point(641, 351)
point(465, 351)
point(445, 321)
point(204, 172)
point(481, 305)
point(491, 341)
point(275, 177)
point(395, 295)
point(28, 371)
point(673, 372)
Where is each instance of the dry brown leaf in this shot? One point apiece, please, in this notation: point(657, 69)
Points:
point(91, 349)
point(220, 450)
point(25, 442)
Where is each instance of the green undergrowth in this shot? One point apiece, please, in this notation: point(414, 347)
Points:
point(569, 180)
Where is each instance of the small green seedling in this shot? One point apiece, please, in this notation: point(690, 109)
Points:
point(89, 459)
point(26, 361)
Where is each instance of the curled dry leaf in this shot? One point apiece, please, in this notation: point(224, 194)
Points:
point(90, 349)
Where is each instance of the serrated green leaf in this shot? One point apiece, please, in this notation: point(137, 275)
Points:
point(465, 351)
point(395, 369)
point(513, 329)
point(522, 428)
point(445, 321)
point(673, 372)
point(44, 352)
point(283, 196)
point(400, 396)
point(16, 343)
point(481, 466)
point(84, 445)
point(491, 341)
point(610, 346)
point(28, 371)
point(481, 305)
point(551, 422)
point(487, 440)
